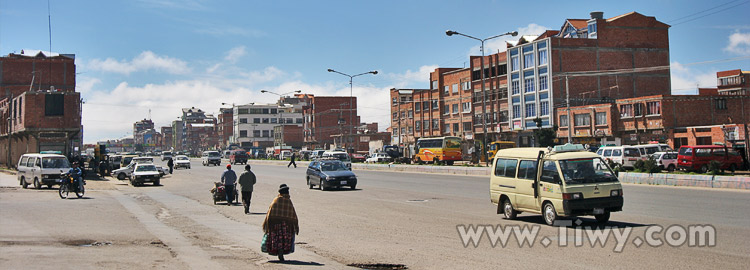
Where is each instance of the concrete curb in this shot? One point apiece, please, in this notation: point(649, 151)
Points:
point(457, 170)
point(709, 181)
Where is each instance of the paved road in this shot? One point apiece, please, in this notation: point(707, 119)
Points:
point(392, 218)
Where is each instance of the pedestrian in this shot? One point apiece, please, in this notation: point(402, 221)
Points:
point(228, 178)
point(170, 164)
point(292, 162)
point(280, 225)
point(246, 181)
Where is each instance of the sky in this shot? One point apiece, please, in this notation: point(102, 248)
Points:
point(141, 57)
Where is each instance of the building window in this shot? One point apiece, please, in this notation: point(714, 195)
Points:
point(54, 104)
point(410, 114)
point(516, 86)
point(455, 127)
point(542, 57)
point(467, 126)
point(504, 116)
point(435, 124)
point(514, 64)
point(435, 105)
point(544, 108)
point(299, 121)
point(516, 111)
point(446, 109)
point(418, 125)
point(638, 109)
point(528, 85)
point(721, 104)
point(530, 110)
point(653, 108)
point(256, 133)
point(265, 120)
point(582, 119)
point(426, 125)
point(425, 105)
point(256, 120)
point(243, 120)
point(241, 111)
point(528, 56)
point(601, 118)
point(626, 110)
point(417, 106)
point(543, 83)
point(243, 133)
point(455, 108)
point(446, 89)
point(455, 88)
point(266, 134)
point(447, 128)
point(434, 84)
point(395, 116)
point(274, 120)
point(563, 120)
point(466, 107)
point(466, 85)
point(410, 130)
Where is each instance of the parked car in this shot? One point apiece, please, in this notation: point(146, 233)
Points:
point(316, 154)
point(41, 169)
point(238, 156)
point(327, 174)
point(145, 173)
point(623, 155)
point(698, 157)
point(124, 172)
point(182, 161)
point(357, 157)
point(665, 160)
point(211, 157)
point(166, 155)
point(379, 157)
point(340, 155)
point(150, 160)
point(648, 149)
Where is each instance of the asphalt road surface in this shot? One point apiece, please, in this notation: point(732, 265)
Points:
point(408, 219)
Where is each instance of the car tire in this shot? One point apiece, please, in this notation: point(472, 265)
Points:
point(309, 184)
point(121, 176)
point(670, 168)
point(353, 187)
point(23, 183)
point(732, 168)
point(704, 169)
point(508, 211)
point(321, 187)
point(157, 182)
point(37, 185)
point(450, 162)
point(549, 213)
point(602, 218)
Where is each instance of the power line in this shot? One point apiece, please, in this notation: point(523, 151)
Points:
point(693, 19)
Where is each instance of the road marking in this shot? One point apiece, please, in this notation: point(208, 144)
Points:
point(193, 256)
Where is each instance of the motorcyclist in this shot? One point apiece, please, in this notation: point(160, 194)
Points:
point(76, 173)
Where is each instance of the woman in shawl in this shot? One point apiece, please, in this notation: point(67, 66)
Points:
point(281, 225)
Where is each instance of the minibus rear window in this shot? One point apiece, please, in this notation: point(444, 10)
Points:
point(685, 151)
point(702, 152)
point(616, 153)
point(632, 152)
point(506, 167)
point(607, 153)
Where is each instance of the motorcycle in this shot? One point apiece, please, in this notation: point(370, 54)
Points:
point(71, 184)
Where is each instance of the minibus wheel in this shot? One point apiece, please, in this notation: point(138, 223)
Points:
point(508, 210)
point(732, 168)
point(602, 218)
point(549, 213)
point(704, 169)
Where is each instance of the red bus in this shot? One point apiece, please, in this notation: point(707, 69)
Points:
point(697, 157)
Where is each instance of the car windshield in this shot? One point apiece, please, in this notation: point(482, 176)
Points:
point(127, 160)
point(55, 163)
point(213, 154)
point(586, 170)
point(342, 157)
point(146, 168)
point(655, 156)
point(182, 158)
point(333, 166)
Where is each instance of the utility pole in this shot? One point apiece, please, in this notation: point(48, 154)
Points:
point(567, 104)
point(10, 129)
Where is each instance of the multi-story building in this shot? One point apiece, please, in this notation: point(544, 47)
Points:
point(177, 134)
point(225, 127)
point(39, 106)
point(254, 123)
point(590, 61)
point(166, 141)
point(195, 131)
point(326, 116)
point(146, 140)
point(142, 125)
point(733, 82)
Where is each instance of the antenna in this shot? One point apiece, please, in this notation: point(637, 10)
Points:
point(49, 27)
point(149, 114)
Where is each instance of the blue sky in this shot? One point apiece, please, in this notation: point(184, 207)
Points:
point(163, 55)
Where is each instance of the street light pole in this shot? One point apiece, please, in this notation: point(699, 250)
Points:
point(281, 113)
point(481, 70)
point(351, 98)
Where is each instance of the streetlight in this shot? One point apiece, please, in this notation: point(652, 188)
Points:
point(351, 97)
point(281, 113)
point(484, 101)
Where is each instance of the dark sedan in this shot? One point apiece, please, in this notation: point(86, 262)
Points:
point(327, 174)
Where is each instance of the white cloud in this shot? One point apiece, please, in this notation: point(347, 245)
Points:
point(686, 81)
point(739, 43)
point(410, 78)
point(145, 61)
point(231, 57)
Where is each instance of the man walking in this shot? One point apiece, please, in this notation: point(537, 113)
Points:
point(292, 162)
point(246, 181)
point(170, 164)
point(228, 178)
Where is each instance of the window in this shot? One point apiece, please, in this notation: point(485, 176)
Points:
point(426, 124)
point(434, 84)
point(544, 108)
point(530, 110)
point(563, 120)
point(466, 85)
point(653, 108)
point(266, 133)
point(410, 130)
point(721, 104)
point(425, 105)
point(447, 128)
point(466, 107)
point(243, 133)
point(467, 126)
point(516, 86)
point(446, 89)
point(417, 106)
point(410, 114)
point(403, 114)
point(542, 57)
point(626, 110)
point(274, 120)
point(601, 118)
point(243, 120)
point(455, 88)
point(504, 116)
point(256, 120)
point(242, 111)
point(264, 111)
point(638, 109)
point(514, 64)
point(505, 167)
point(418, 125)
point(395, 116)
point(274, 111)
point(394, 102)
point(528, 56)
point(435, 105)
point(549, 172)
point(543, 82)
point(54, 104)
point(455, 108)
point(265, 120)
point(527, 169)
point(435, 124)
point(528, 85)
point(446, 109)
point(256, 133)
point(582, 119)
point(516, 111)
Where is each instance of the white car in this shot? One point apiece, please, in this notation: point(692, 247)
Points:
point(124, 172)
point(150, 160)
point(666, 160)
point(145, 173)
point(181, 161)
point(378, 157)
point(340, 155)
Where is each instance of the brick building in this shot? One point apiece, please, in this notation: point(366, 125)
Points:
point(289, 135)
point(255, 123)
point(166, 141)
point(225, 127)
point(37, 94)
point(195, 131)
point(142, 125)
point(326, 116)
point(733, 82)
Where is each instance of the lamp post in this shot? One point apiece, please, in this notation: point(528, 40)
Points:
point(281, 113)
point(351, 98)
point(481, 71)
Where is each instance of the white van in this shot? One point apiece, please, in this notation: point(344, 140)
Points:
point(340, 155)
point(566, 181)
point(648, 149)
point(623, 155)
point(211, 157)
point(42, 169)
